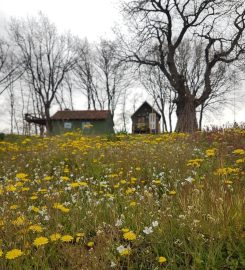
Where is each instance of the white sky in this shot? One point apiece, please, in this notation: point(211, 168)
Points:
point(92, 19)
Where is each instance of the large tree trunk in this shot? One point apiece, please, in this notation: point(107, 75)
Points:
point(48, 121)
point(186, 115)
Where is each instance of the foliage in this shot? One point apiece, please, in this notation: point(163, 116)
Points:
point(2, 135)
point(169, 201)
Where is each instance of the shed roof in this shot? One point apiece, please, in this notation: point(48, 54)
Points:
point(81, 115)
point(146, 104)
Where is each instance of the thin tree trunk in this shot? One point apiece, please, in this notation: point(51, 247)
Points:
point(201, 117)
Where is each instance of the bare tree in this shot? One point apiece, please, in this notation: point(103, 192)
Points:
point(46, 57)
point(101, 75)
point(124, 115)
point(113, 73)
point(87, 75)
point(161, 27)
point(9, 68)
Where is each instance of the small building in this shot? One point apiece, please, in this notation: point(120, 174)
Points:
point(90, 122)
point(145, 120)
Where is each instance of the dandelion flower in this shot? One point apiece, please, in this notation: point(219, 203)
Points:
point(66, 238)
point(55, 237)
point(239, 151)
point(133, 203)
point(79, 236)
point(130, 236)
point(14, 253)
point(36, 228)
point(162, 259)
point(90, 244)
point(40, 241)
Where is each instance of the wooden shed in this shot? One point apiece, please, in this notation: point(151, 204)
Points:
point(145, 119)
point(90, 122)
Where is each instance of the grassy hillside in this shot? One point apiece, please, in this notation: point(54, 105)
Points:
point(125, 202)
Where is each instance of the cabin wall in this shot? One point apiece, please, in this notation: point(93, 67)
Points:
point(87, 127)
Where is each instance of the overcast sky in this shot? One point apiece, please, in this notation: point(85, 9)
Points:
point(92, 19)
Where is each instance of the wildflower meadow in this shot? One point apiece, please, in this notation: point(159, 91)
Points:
point(167, 201)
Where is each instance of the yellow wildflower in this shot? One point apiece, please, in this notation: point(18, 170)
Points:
point(125, 252)
point(11, 188)
point(48, 178)
point(130, 191)
point(14, 206)
point(35, 209)
point(75, 184)
point(210, 152)
point(14, 253)
point(130, 236)
point(66, 238)
point(21, 176)
point(133, 203)
point(79, 236)
point(195, 162)
point(65, 178)
point(90, 244)
point(240, 160)
point(55, 237)
point(40, 241)
point(162, 259)
point(123, 182)
point(19, 221)
point(36, 228)
point(61, 207)
point(239, 151)
point(157, 182)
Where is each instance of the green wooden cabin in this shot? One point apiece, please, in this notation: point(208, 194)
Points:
point(89, 122)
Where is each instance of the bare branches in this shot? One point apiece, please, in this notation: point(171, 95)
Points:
point(45, 56)
point(162, 27)
point(9, 68)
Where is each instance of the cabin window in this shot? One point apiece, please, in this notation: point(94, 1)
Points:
point(67, 125)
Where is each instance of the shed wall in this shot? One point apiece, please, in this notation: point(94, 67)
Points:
point(87, 127)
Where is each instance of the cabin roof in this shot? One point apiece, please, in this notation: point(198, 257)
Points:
point(81, 115)
point(145, 104)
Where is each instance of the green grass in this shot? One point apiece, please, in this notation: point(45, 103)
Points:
point(190, 201)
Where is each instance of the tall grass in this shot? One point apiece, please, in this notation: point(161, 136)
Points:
point(129, 202)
